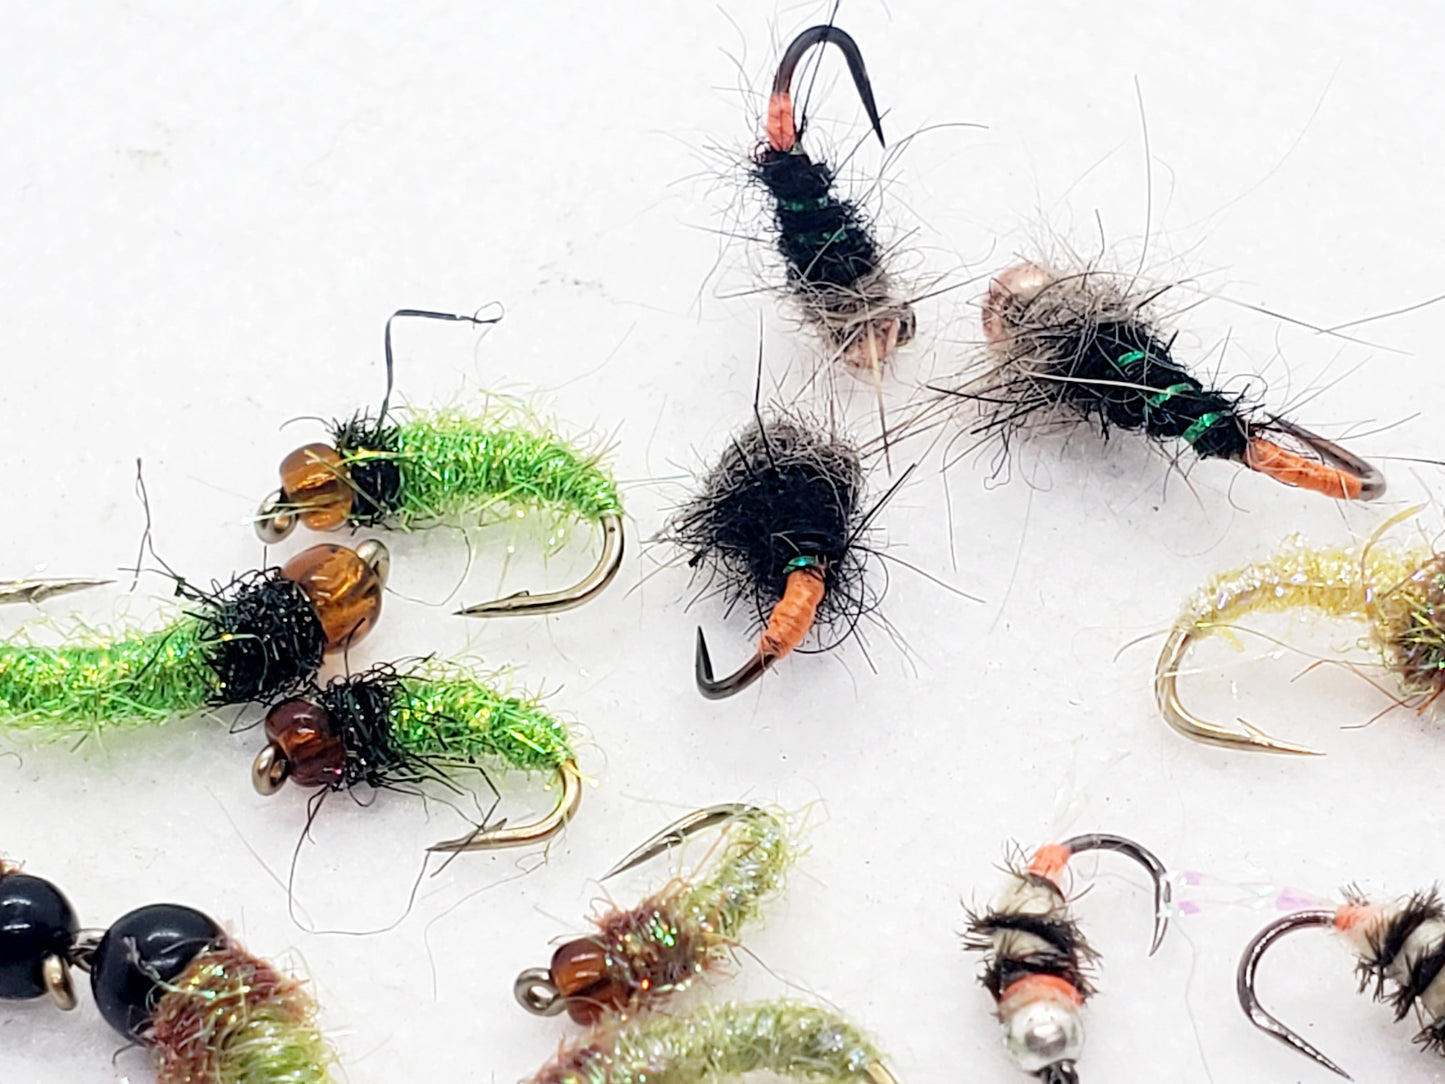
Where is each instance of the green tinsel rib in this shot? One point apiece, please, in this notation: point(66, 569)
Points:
point(722, 1042)
point(449, 714)
point(131, 679)
point(455, 465)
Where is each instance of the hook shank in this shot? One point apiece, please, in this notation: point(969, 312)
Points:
point(524, 603)
point(524, 835)
point(1244, 982)
point(677, 832)
point(1166, 697)
point(782, 132)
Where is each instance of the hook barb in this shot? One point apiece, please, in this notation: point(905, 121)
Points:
point(782, 133)
point(1244, 982)
point(38, 591)
point(524, 603)
point(1166, 697)
point(1163, 890)
point(524, 834)
point(735, 682)
point(679, 830)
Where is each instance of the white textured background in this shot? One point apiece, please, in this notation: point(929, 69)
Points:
point(208, 214)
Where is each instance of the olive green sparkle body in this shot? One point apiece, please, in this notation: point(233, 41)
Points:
point(664, 942)
point(231, 1018)
point(720, 1042)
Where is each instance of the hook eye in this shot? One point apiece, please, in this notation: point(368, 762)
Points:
point(275, 519)
point(536, 992)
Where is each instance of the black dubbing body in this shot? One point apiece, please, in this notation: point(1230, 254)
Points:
point(1117, 372)
point(369, 448)
point(360, 712)
point(825, 241)
point(263, 637)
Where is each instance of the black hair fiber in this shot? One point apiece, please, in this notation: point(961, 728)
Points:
point(825, 241)
point(1067, 954)
point(359, 707)
point(369, 447)
point(264, 640)
point(783, 489)
point(1387, 944)
point(1082, 345)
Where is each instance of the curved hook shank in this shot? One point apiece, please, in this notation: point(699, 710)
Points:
point(1244, 982)
point(1166, 697)
point(1163, 891)
point(735, 682)
point(523, 835)
point(525, 603)
point(782, 132)
point(1343, 475)
point(39, 590)
point(677, 832)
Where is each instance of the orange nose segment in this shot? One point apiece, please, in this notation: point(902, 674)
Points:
point(782, 132)
point(1336, 473)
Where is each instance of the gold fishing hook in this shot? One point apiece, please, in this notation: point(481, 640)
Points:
point(678, 832)
point(39, 590)
point(524, 603)
point(1166, 696)
point(487, 839)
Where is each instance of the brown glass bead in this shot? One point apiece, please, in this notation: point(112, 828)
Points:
point(581, 974)
point(315, 480)
point(302, 731)
point(344, 589)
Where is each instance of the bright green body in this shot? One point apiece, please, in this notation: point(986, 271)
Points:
point(112, 681)
point(447, 714)
point(452, 465)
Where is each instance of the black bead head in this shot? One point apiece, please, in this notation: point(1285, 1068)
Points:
point(36, 921)
point(148, 947)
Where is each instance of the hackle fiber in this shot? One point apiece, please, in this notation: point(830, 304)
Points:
point(782, 490)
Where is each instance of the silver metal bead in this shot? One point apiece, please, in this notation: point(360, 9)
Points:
point(1043, 1032)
